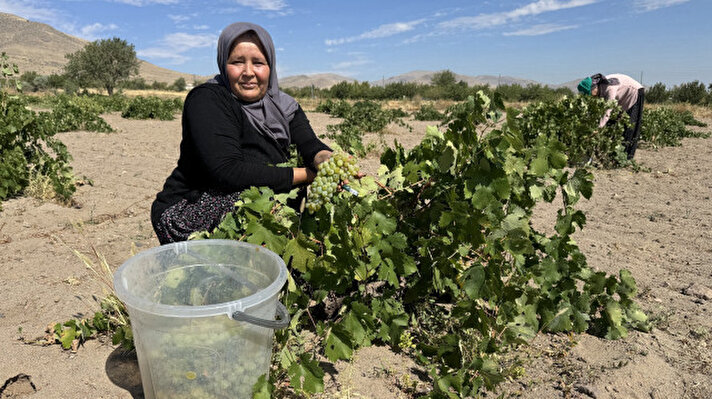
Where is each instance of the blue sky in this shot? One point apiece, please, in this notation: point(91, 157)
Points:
point(550, 41)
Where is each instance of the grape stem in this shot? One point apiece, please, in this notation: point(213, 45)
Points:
point(384, 187)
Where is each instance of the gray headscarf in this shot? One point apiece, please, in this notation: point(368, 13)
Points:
point(271, 114)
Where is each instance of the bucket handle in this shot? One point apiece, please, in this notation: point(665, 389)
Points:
point(280, 323)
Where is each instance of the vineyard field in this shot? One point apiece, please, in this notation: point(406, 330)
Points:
point(656, 222)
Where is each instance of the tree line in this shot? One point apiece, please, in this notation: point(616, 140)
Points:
point(444, 86)
point(693, 92)
point(112, 64)
point(107, 64)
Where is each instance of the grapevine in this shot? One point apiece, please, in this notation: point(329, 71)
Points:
point(437, 258)
point(338, 168)
point(447, 222)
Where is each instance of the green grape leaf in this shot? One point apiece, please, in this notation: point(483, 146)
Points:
point(379, 223)
point(339, 343)
point(514, 165)
point(536, 192)
point(262, 389)
point(68, 334)
point(258, 234)
point(306, 374)
point(539, 166)
point(557, 158)
point(614, 317)
point(387, 272)
point(300, 256)
point(627, 286)
point(501, 187)
point(473, 281)
point(482, 198)
point(257, 199)
point(447, 158)
point(358, 331)
point(561, 321)
point(637, 318)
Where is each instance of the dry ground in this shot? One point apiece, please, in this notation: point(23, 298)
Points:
point(656, 223)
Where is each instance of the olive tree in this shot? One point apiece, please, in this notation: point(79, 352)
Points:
point(657, 93)
point(103, 63)
point(444, 78)
point(178, 85)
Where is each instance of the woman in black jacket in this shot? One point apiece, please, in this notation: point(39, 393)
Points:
point(236, 127)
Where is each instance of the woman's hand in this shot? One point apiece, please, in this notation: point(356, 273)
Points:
point(321, 157)
point(302, 176)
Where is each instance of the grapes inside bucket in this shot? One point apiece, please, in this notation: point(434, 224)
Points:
point(203, 315)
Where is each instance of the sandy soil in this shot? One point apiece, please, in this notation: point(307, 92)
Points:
point(656, 223)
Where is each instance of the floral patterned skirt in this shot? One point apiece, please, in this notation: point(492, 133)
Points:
point(184, 218)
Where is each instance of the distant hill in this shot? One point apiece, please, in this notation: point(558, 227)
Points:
point(38, 47)
point(324, 81)
point(426, 77)
point(319, 81)
point(573, 84)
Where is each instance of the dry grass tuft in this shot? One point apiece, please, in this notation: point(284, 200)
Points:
point(40, 187)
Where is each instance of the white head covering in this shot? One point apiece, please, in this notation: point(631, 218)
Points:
point(273, 112)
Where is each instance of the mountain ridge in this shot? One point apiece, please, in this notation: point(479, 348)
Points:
point(35, 46)
point(326, 80)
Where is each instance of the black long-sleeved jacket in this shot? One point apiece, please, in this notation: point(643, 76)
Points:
point(220, 150)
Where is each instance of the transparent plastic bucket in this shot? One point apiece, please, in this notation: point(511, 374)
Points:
point(203, 316)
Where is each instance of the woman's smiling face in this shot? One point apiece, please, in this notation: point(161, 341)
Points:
point(247, 69)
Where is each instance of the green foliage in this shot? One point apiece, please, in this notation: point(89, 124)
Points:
point(427, 112)
point(27, 144)
point(657, 94)
point(112, 320)
point(103, 63)
point(443, 86)
point(663, 127)
point(159, 85)
point(178, 85)
point(71, 112)
point(361, 117)
point(9, 72)
point(693, 92)
point(112, 103)
point(27, 79)
point(152, 108)
point(532, 92)
point(689, 119)
point(574, 121)
point(137, 83)
point(446, 231)
point(339, 109)
point(444, 78)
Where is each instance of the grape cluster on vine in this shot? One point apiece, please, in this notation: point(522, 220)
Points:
point(339, 167)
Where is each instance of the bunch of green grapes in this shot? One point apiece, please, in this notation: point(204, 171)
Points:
point(339, 167)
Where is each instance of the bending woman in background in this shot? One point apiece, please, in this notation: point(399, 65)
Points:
point(629, 94)
point(236, 127)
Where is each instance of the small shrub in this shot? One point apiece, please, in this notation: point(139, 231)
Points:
point(112, 103)
point(27, 144)
point(152, 108)
point(427, 112)
point(70, 113)
point(362, 117)
point(40, 187)
point(663, 127)
point(337, 109)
